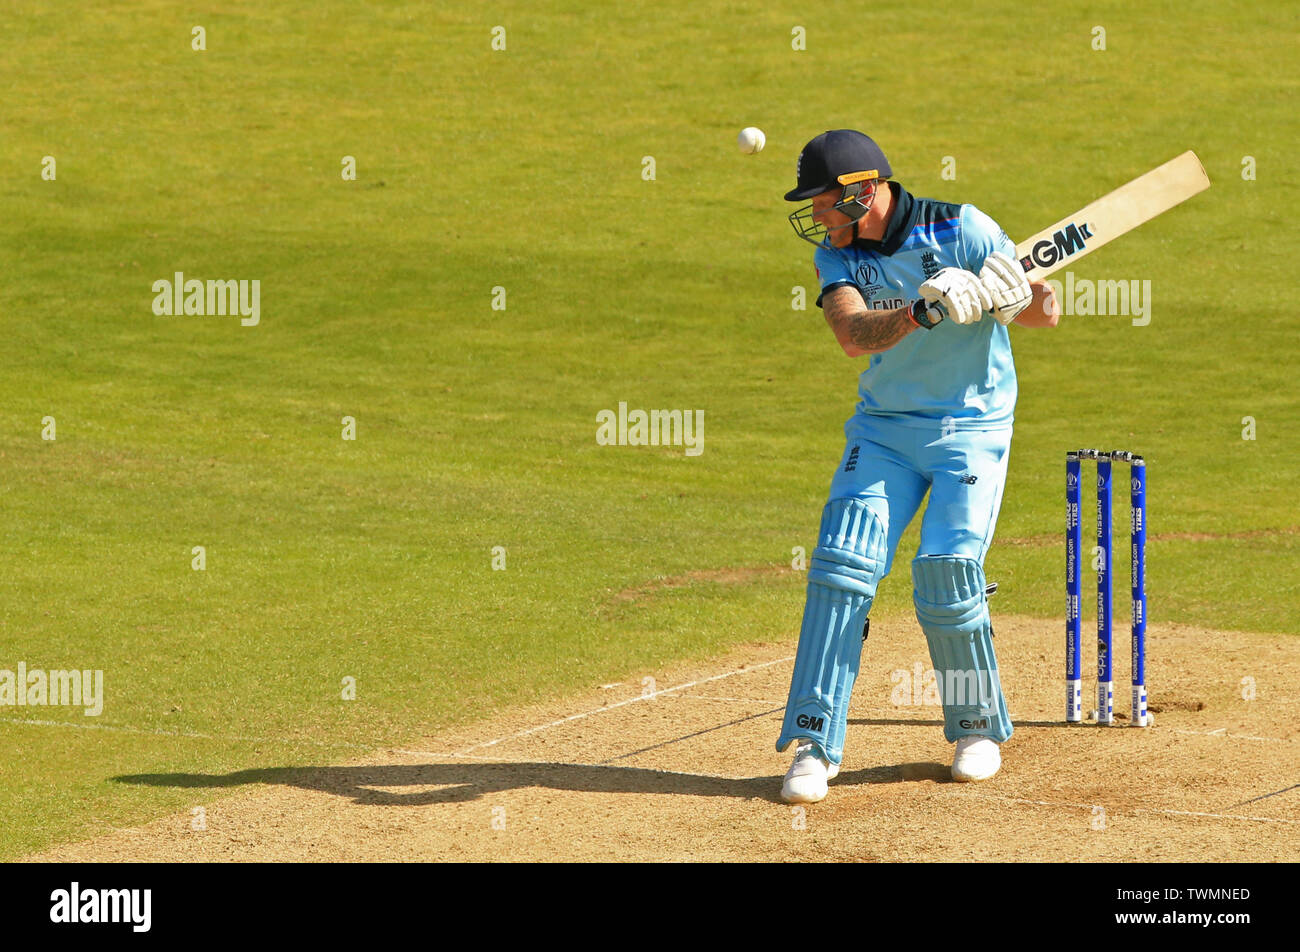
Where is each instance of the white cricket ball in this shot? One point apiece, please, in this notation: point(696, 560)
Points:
point(751, 140)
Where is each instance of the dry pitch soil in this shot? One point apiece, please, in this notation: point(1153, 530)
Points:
point(682, 767)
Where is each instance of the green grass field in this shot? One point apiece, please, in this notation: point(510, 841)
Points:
point(522, 168)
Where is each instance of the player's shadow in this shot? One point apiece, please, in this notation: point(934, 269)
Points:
point(428, 784)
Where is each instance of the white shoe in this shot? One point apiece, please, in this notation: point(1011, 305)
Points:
point(805, 781)
point(977, 758)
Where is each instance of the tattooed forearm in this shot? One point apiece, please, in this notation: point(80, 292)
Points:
point(875, 331)
point(868, 332)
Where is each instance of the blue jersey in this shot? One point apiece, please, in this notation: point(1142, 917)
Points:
point(962, 376)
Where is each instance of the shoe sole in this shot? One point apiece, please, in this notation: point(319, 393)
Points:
point(974, 778)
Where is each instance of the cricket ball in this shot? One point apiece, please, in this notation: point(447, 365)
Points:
point(751, 140)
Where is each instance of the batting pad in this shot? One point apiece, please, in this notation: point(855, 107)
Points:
point(953, 611)
point(846, 566)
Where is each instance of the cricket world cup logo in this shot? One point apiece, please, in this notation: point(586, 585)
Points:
point(868, 278)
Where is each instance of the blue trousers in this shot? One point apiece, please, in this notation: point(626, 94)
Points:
point(890, 466)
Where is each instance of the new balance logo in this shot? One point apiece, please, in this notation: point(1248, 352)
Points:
point(968, 479)
point(852, 462)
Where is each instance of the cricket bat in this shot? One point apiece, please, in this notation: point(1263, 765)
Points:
point(1112, 215)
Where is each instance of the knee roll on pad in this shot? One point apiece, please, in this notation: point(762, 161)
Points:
point(851, 548)
point(952, 607)
point(845, 568)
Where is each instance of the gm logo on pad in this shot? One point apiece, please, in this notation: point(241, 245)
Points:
point(810, 723)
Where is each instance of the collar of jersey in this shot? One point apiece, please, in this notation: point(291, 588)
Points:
point(902, 217)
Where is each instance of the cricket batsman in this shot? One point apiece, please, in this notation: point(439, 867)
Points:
point(925, 290)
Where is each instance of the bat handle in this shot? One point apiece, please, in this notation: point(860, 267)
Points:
point(927, 314)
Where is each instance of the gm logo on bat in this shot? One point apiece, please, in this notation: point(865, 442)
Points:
point(1068, 241)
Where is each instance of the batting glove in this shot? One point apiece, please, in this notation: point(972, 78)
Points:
point(960, 293)
point(1008, 285)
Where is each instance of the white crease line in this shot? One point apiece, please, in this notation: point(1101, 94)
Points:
point(486, 759)
point(196, 735)
point(739, 700)
point(606, 766)
point(34, 722)
point(160, 732)
point(1222, 732)
point(466, 753)
point(1217, 816)
point(1090, 806)
point(631, 700)
point(1037, 803)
